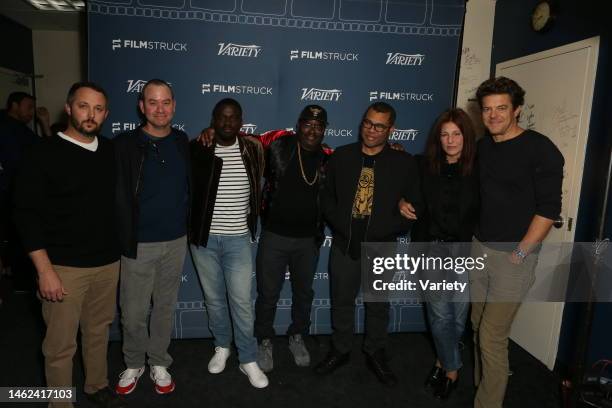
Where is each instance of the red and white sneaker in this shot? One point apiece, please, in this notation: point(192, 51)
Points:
point(162, 379)
point(128, 380)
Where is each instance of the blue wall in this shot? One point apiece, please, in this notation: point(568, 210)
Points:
point(513, 38)
point(404, 52)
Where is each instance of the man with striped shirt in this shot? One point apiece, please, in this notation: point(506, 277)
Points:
point(225, 205)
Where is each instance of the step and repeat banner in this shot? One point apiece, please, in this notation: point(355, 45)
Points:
point(275, 57)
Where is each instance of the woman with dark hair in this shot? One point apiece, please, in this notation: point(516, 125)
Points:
point(450, 192)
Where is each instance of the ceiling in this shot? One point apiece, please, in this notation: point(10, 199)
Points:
point(29, 16)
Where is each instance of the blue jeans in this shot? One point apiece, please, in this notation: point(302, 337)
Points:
point(447, 314)
point(225, 269)
point(447, 322)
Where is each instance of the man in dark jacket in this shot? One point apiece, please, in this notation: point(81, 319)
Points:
point(152, 206)
point(224, 208)
point(365, 181)
point(292, 231)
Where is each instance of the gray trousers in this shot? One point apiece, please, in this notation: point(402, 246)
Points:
point(155, 275)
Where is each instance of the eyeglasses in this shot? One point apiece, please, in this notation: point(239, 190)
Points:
point(379, 127)
point(315, 126)
point(155, 149)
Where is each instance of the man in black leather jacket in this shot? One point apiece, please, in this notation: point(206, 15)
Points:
point(292, 230)
point(224, 208)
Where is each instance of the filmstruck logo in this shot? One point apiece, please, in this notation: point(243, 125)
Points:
point(248, 128)
point(236, 89)
point(316, 94)
point(398, 58)
point(401, 96)
point(117, 127)
point(237, 50)
point(338, 132)
point(404, 134)
point(149, 45)
point(323, 55)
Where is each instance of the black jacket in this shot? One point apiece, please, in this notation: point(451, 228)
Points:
point(130, 153)
point(396, 177)
point(468, 199)
point(206, 173)
point(278, 156)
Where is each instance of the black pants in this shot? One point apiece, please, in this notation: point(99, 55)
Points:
point(345, 281)
point(274, 253)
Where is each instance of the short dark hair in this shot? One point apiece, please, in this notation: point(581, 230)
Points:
point(226, 102)
point(84, 84)
point(434, 153)
point(158, 82)
point(501, 85)
point(17, 97)
point(383, 107)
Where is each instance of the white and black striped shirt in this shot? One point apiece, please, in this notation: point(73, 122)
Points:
point(232, 202)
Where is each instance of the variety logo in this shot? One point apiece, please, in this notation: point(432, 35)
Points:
point(149, 45)
point(248, 128)
point(118, 127)
point(236, 89)
point(398, 58)
point(323, 55)
point(237, 50)
point(316, 94)
point(404, 134)
point(135, 85)
point(401, 96)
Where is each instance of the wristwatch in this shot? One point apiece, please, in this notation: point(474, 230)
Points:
point(520, 253)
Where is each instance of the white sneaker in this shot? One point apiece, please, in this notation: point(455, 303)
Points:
point(162, 379)
point(216, 364)
point(128, 380)
point(257, 378)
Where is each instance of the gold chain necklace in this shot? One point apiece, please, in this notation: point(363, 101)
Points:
point(310, 183)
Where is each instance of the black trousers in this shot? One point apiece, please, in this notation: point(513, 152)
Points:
point(345, 281)
point(274, 253)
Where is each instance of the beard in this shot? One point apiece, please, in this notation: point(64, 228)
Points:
point(80, 126)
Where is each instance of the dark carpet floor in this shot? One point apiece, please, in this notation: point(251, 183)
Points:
point(21, 331)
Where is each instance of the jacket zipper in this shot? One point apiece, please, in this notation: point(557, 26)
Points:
point(142, 159)
point(205, 209)
point(253, 190)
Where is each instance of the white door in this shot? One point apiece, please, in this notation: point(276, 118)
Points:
point(559, 91)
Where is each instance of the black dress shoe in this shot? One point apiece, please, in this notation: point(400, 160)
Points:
point(434, 377)
point(377, 362)
point(445, 388)
point(106, 398)
point(330, 363)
